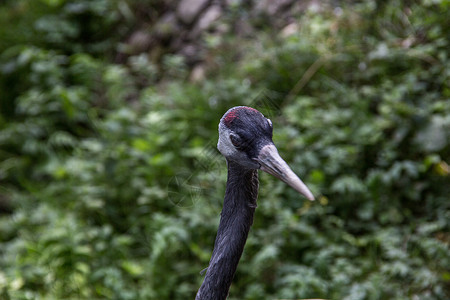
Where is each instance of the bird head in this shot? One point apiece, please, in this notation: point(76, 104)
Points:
point(245, 137)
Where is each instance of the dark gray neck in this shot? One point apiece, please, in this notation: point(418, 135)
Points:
point(235, 222)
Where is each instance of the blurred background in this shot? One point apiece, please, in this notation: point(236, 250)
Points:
point(110, 183)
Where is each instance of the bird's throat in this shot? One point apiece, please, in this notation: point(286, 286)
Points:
point(235, 222)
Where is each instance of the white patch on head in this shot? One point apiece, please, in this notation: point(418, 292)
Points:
point(230, 152)
point(224, 144)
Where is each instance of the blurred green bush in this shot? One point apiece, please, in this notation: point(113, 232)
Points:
point(111, 188)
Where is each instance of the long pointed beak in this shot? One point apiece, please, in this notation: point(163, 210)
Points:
point(272, 163)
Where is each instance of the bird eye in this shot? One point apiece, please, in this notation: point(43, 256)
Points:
point(235, 140)
point(270, 122)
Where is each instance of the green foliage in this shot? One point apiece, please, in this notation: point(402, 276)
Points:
point(111, 186)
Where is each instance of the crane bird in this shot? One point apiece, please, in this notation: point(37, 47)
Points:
point(245, 139)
